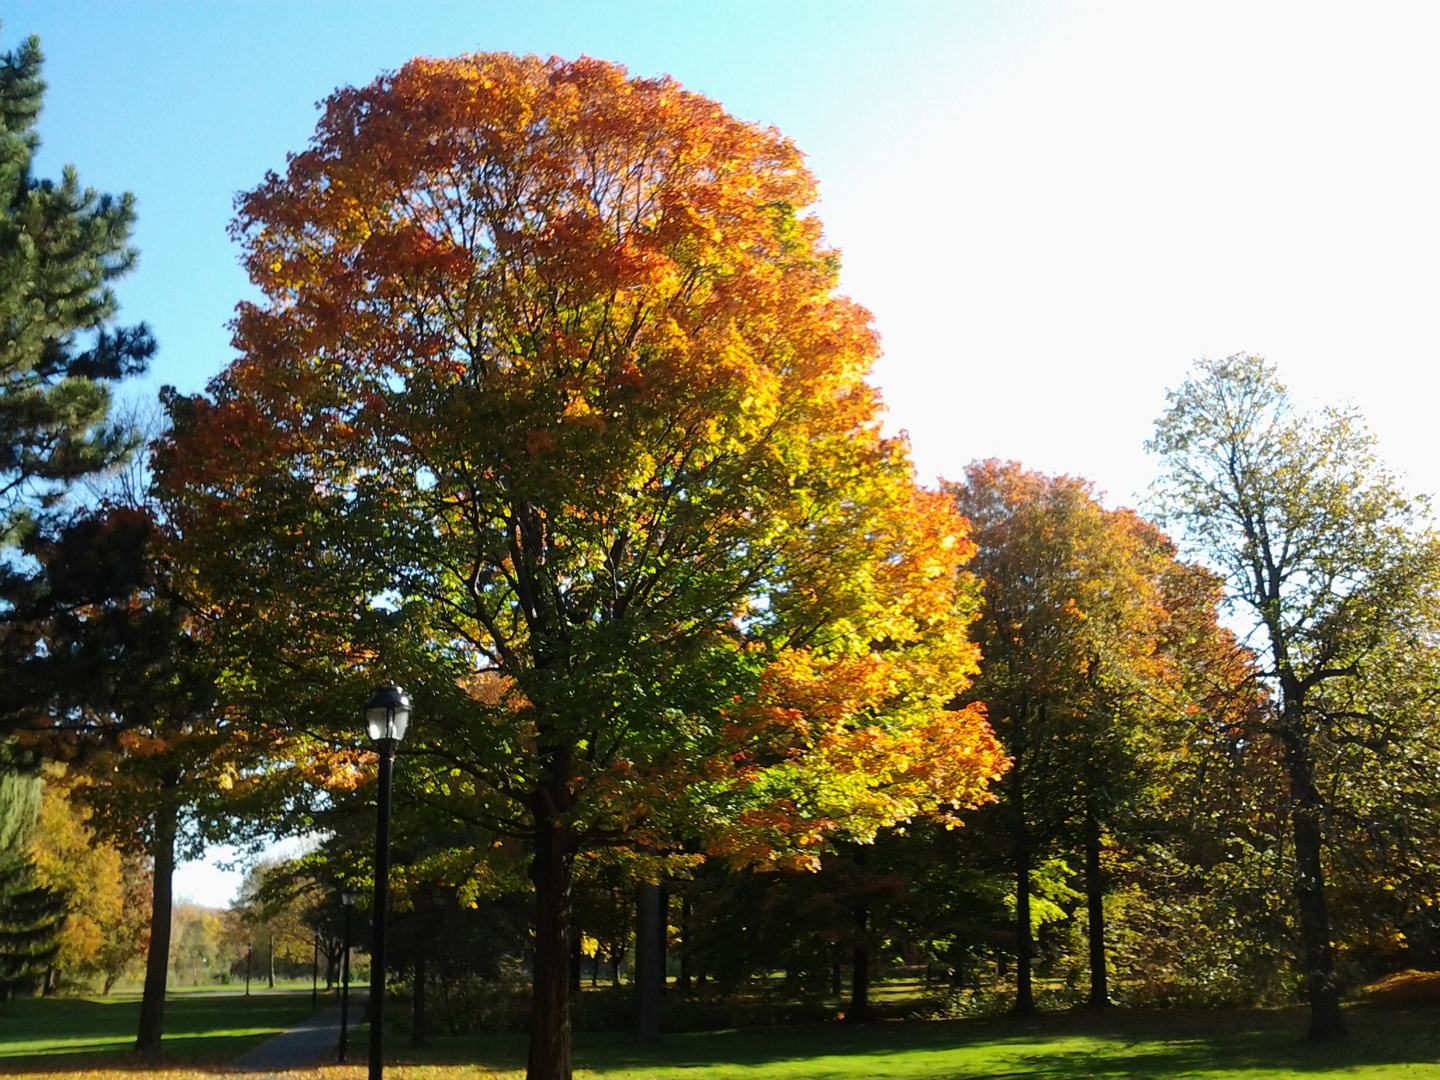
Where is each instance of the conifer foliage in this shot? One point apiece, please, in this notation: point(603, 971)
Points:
point(31, 916)
point(60, 247)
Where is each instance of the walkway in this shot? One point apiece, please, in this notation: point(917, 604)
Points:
point(311, 1043)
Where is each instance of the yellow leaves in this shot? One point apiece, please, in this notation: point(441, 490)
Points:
point(68, 856)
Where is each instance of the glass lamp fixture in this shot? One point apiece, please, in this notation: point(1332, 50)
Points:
point(387, 714)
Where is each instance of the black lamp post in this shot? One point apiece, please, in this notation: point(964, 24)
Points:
point(348, 899)
point(387, 715)
point(249, 952)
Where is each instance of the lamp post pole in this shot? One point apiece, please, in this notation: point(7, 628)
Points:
point(348, 899)
point(378, 913)
point(249, 952)
point(387, 715)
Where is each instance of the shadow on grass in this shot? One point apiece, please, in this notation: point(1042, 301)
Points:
point(1116, 1045)
point(202, 1032)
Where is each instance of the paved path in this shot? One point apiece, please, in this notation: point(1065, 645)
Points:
point(311, 1043)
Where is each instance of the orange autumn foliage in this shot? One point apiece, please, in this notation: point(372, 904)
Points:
point(551, 410)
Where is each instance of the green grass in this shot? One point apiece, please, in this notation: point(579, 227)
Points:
point(1385, 1042)
point(1072, 1046)
point(95, 1030)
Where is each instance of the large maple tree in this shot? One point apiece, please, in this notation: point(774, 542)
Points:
point(551, 409)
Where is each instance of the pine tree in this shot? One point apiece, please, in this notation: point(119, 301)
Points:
point(60, 247)
point(30, 916)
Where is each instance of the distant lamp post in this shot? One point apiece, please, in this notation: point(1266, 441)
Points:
point(249, 952)
point(387, 715)
point(347, 898)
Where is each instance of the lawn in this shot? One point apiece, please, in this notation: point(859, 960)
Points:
point(82, 1034)
point(1396, 1041)
point(1073, 1046)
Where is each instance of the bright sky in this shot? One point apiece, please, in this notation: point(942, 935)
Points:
point(1050, 208)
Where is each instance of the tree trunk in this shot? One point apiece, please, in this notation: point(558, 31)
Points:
point(1024, 948)
point(1024, 993)
point(1306, 813)
point(649, 960)
point(860, 970)
point(272, 961)
point(551, 871)
point(157, 960)
point(1095, 906)
point(684, 978)
point(958, 957)
point(417, 1021)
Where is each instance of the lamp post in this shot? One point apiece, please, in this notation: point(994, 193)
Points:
point(347, 898)
point(249, 952)
point(387, 715)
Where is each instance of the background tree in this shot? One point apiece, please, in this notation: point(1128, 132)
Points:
point(551, 410)
point(1334, 566)
point(105, 925)
point(115, 678)
point(31, 915)
point(1096, 639)
point(1061, 576)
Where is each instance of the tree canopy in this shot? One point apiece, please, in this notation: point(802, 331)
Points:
point(1337, 569)
point(551, 389)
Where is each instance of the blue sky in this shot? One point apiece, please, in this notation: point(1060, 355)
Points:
point(186, 104)
point(1051, 208)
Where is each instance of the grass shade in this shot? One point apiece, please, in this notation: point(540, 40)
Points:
point(93, 1032)
point(1391, 1037)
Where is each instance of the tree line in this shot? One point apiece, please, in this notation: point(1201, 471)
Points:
point(550, 410)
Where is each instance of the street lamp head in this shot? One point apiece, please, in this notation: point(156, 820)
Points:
point(348, 897)
point(387, 714)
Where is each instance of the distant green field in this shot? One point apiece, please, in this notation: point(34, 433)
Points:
point(96, 1030)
